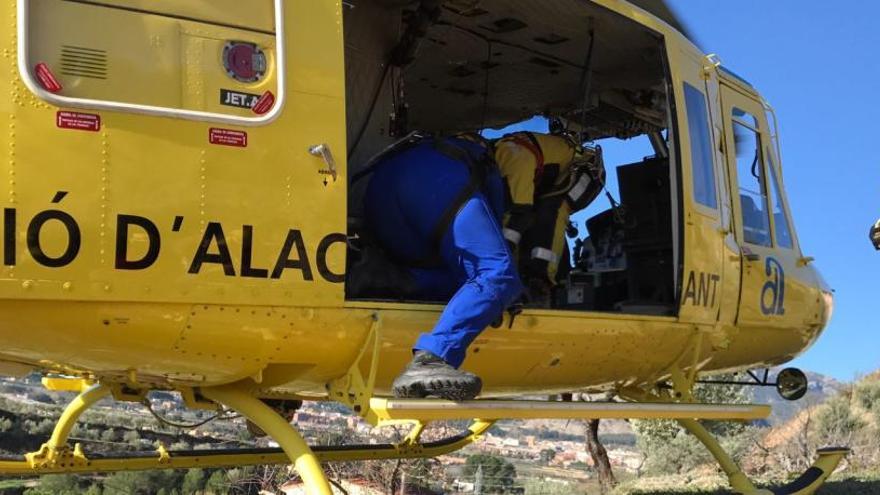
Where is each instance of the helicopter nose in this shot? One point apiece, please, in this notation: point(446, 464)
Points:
point(827, 306)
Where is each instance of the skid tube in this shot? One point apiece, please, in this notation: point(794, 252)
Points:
point(187, 459)
point(56, 456)
point(805, 484)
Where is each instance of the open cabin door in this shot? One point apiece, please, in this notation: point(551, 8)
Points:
point(219, 125)
point(776, 288)
point(704, 278)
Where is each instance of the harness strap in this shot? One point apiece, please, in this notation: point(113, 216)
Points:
point(540, 253)
point(512, 236)
point(399, 146)
point(528, 141)
point(479, 169)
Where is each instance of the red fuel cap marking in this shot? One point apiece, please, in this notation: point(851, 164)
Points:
point(264, 104)
point(46, 79)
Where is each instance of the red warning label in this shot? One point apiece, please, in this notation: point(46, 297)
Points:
point(46, 79)
point(228, 137)
point(77, 120)
point(264, 104)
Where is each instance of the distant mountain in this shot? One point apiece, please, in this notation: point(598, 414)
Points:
point(620, 432)
point(820, 388)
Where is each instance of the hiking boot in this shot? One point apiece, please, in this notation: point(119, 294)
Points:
point(428, 375)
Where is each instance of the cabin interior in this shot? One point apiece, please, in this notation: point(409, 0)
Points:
point(482, 65)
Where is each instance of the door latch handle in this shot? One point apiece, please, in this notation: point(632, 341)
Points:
point(323, 151)
point(752, 257)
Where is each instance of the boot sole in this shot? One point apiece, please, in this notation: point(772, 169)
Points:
point(440, 389)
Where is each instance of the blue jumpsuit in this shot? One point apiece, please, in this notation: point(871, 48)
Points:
point(407, 197)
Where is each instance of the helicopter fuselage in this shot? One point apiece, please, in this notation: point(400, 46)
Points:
point(183, 239)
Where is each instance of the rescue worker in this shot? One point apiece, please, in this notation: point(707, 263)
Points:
point(547, 178)
point(437, 205)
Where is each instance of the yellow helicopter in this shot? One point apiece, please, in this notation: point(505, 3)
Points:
point(180, 208)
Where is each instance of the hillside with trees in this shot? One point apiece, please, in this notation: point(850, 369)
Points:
point(530, 458)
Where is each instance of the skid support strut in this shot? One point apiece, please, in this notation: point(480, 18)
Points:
point(738, 480)
point(304, 461)
point(56, 450)
point(806, 484)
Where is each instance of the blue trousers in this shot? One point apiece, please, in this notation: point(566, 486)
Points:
point(405, 198)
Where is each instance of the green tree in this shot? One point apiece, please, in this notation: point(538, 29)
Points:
point(181, 445)
point(5, 424)
point(835, 422)
point(56, 484)
point(193, 482)
point(867, 395)
point(498, 474)
point(132, 438)
point(39, 427)
point(669, 448)
point(424, 473)
point(108, 435)
point(142, 483)
point(129, 483)
point(547, 455)
point(217, 484)
point(547, 487)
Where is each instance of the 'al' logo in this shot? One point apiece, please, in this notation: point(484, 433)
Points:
point(774, 289)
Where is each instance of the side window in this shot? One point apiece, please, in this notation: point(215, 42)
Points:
point(780, 219)
point(701, 147)
point(750, 174)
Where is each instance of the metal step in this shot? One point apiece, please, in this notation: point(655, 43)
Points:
point(396, 410)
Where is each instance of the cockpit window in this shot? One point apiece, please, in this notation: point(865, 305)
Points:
point(746, 118)
point(750, 173)
point(701, 147)
point(780, 220)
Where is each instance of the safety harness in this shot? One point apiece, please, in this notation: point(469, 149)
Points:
point(528, 141)
point(579, 189)
point(479, 165)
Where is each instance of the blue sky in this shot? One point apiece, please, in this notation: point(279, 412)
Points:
point(816, 62)
point(817, 65)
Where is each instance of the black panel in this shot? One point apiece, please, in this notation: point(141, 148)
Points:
point(506, 25)
point(647, 240)
point(645, 193)
point(551, 39)
point(808, 478)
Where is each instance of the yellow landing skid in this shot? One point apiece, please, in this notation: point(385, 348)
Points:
point(403, 410)
point(57, 456)
point(806, 484)
point(75, 461)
